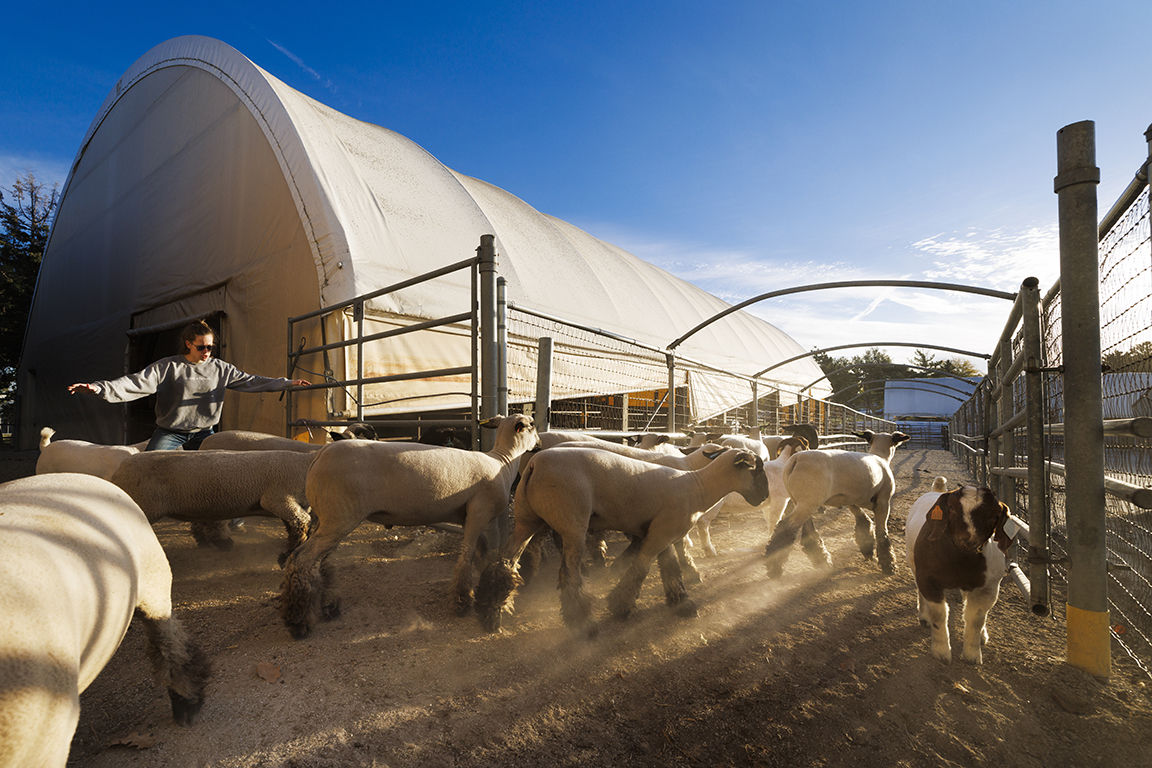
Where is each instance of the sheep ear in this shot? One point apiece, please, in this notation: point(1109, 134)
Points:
point(492, 423)
point(712, 454)
point(899, 437)
point(745, 459)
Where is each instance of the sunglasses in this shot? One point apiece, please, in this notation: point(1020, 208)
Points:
point(203, 347)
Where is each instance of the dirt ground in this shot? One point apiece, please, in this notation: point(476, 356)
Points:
point(816, 669)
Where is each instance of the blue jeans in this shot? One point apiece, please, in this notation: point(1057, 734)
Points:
point(167, 440)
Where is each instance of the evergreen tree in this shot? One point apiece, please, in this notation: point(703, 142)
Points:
point(25, 219)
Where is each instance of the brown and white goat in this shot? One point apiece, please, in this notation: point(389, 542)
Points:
point(956, 540)
point(77, 560)
point(578, 489)
point(859, 481)
point(394, 483)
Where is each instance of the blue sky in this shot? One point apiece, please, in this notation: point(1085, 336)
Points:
point(744, 146)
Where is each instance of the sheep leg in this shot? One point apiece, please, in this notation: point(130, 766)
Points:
point(498, 582)
point(598, 548)
point(704, 525)
point(882, 510)
point(178, 663)
point(295, 518)
point(686, 563)
point(780, 544)
point(477, 516)
point(865, 539)
point(575, 603)
point(674, 593)
point(306, 590)
point(977, 604)
point(661, 536)
point(813, 545)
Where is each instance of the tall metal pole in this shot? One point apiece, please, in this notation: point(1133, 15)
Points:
point(1075, 184)
point(543, 384)
point(671, 392)
point(489, 386)
point(1039, 588)
point(501, 347)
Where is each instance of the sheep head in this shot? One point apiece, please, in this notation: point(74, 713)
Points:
point(755, 490)
point(515, 434)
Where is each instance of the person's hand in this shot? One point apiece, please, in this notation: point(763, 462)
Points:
point(75, 387)
point(301, 383)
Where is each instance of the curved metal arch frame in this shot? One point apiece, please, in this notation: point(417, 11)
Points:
point(882, 365)
point(845, 284)
point(782, 363)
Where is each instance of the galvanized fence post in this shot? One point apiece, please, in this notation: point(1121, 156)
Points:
point(544, 384)
point(489, 387)
point(1038, 523)
point(1075, 184)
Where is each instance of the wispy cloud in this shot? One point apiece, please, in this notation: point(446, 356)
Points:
point(998, 259)
point(326, 82)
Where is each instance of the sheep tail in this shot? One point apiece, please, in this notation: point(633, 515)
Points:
point(495, 593)
point(178, 664)
point(46, 437)
point(940, 484)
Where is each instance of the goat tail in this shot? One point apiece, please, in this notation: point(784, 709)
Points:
point(940, 484)
point(178, 664)
point(495, 593)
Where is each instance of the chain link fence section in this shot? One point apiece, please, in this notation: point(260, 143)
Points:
point(603, 382)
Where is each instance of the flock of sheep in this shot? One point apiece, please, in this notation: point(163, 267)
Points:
point(79, 556)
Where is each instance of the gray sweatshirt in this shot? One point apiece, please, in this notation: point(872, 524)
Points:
point(189, 396)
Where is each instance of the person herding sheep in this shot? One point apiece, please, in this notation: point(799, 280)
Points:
point(189, 389)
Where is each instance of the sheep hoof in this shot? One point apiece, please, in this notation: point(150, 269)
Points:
point(687, 610)
point(590, 631)
point(184, 710)
point(224, 545)
point(924, 623)
point(463, 605)
point(299, 631)
point(330, 611)
point(490, 622)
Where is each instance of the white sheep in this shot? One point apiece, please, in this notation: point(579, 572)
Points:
point(77, 560)
point(688, 462)
point(576, 489)
point(243, 440)
point(399, 484)
point(815, 479)
point(772, 508)
point(957, 541)
point(218, 486)
point(81, 456)
point(652, 441)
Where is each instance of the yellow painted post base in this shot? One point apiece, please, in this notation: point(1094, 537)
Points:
point(1089, 641)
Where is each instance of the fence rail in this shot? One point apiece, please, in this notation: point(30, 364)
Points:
point(992, 430)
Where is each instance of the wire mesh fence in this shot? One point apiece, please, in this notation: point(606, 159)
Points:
point(602, 382)
point(1125, 254)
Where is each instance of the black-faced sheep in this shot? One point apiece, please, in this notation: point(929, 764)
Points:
point(399, 484)
point(956, 540)
point(81, 456)
point(217, 486)
point(577, 489)
point(77, 560)
point(816, 479)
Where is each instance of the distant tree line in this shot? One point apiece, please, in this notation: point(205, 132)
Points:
point(859, 381)
point(26, 213)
